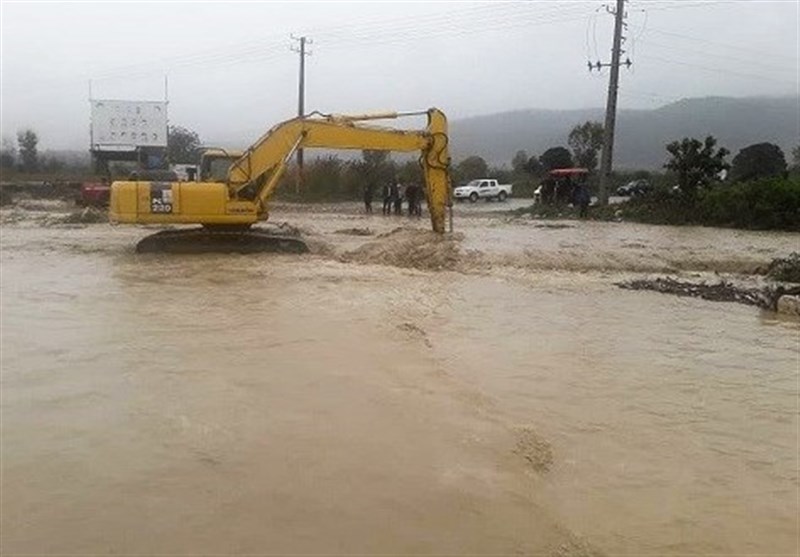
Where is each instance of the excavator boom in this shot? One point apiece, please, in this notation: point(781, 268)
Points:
point(252, 179)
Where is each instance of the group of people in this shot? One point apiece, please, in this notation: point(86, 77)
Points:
point(566, 190)
point(394, 194)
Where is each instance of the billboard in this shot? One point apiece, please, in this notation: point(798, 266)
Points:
point(126, 125)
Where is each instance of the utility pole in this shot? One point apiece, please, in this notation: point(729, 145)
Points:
point(301, 98)
point(606, 162)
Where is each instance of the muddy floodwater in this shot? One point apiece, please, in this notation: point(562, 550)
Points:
point(394, 392)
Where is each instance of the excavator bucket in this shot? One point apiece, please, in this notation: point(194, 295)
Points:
point(202, 240)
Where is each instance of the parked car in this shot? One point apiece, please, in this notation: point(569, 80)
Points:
point(635, 187)
point(482, 188)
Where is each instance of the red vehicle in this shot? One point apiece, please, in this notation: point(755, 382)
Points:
point(95, 194)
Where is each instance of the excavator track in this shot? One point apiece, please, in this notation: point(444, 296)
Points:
point(203, 240)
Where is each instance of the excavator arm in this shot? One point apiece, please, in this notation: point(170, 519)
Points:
point(240, 201)
point(262, 165)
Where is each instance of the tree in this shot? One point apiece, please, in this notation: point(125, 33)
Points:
point(375, 167)
point(182, 145)
point(796, 156)
point(555, 157)
point(471, 168)
point(410, 172)
point(696, 163)
point(51, 164)
point(324, 179)
point(27, 141)
point(760, 160)
point(586, 140)
point(533, 167)
point(8, 154)
point(519, 162)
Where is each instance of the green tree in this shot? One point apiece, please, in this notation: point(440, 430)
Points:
point(555, 157)
point(410, 172)
point(182, 145)
point(586, 140)
point(519, 162)
point(29, 156)
point(761, 160)
point(533, 167)
point(796, 157)
point(375, 166)
point(8, 154)
point(323, 179)
point(471, 168)
point(696, 163)
point(51, 164)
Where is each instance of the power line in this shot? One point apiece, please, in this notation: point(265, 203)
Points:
point(479, 19)
point(451, 29)
point(716, 70)
point(683, 4)
point(753, 51)
point(736, 59)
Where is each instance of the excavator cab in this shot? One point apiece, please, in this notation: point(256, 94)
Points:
point(215, 163)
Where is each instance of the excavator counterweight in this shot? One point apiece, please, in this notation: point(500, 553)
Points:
point(227, 210)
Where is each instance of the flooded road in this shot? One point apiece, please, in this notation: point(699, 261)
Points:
point(489, 393)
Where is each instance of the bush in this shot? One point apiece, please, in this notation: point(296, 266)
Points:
point(786, 269)
point(767, 204)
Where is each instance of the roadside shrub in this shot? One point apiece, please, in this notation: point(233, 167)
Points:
point(785, 269)
point(767, 204)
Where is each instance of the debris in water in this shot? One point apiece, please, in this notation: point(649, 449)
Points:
point(88, 215)
point(766, 297)
point(534, 449)
point(355, 232)
point(553, 226)
point(415, 331)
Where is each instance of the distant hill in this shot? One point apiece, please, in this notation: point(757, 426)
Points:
point(641, 134)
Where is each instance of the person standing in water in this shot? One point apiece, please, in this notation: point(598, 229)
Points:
point(397, 198)
point(368, 191)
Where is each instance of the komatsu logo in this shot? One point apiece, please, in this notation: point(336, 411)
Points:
point(161, 198)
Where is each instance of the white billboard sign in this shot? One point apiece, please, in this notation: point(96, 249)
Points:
point(128, 124)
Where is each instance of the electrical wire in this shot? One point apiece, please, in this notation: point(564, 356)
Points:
point(683, 4)
point(376, 31)
point(752, 51)
point(717, 70)
point(719, 56)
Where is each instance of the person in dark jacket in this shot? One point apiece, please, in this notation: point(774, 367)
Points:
point(583, 198)
point(387, 199)
point(412, 199)
point(368, 192)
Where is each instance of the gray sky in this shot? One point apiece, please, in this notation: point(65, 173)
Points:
point(232, 75)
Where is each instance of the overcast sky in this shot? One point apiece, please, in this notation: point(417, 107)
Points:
point(232, 76)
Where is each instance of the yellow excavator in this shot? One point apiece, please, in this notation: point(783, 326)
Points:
point(233, 191)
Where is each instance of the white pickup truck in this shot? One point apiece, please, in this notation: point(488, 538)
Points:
point(484, 188)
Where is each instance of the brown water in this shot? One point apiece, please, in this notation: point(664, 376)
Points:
point(360, 401)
